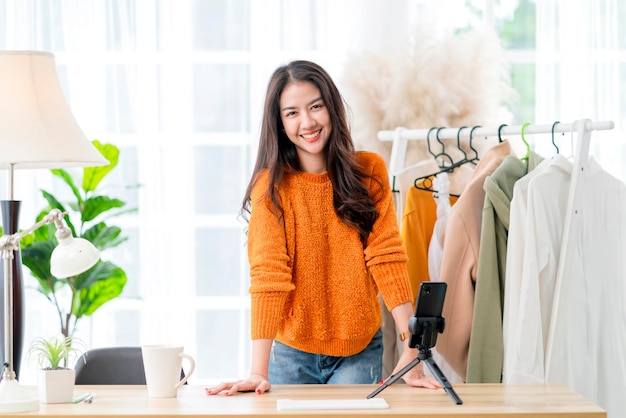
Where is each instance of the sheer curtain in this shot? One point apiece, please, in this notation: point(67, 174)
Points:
point(580, 71)
point(178, 86)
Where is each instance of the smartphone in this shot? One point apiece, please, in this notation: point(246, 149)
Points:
point(428, 307)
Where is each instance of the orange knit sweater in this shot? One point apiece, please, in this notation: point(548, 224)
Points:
point(313, 285)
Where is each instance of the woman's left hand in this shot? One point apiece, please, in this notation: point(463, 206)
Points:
point(415, 376)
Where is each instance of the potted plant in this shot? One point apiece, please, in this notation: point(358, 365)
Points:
point(55, 378)
point(90, 210)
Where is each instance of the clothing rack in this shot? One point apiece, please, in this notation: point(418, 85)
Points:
point(583, 128)
point(400, 136)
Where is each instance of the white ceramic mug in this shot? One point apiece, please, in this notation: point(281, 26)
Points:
point(162, 364)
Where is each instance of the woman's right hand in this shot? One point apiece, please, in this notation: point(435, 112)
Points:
point(255, 383)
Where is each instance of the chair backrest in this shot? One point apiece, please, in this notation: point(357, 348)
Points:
point(111, 366)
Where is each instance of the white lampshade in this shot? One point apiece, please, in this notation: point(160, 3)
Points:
point(72, 257)
point(37, 127)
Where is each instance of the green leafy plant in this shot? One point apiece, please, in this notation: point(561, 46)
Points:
point(55, 352)
point(80, 296)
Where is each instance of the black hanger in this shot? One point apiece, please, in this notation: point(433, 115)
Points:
point(458, 142)
point(554, 143)
point(500, 129)
point(471, 138)
point(426, 182)
point(393, 185)
point(428, 142)
point(442, 163)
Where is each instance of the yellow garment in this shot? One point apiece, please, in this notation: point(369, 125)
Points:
point(313, 285)
point(418, 223)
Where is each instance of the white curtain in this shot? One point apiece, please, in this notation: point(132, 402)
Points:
point(178, 86)
point(578, 72)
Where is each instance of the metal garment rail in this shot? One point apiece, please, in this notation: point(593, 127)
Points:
point(451, 133)
point(400, 136)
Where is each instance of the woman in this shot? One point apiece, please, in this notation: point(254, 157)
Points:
point(323, 240)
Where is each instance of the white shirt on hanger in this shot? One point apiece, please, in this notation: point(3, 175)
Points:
point(524, 348)
point(589, 339)
point(588, 350)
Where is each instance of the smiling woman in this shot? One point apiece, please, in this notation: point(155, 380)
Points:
point(322, 241)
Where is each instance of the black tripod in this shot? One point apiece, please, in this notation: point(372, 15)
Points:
point(424, 336)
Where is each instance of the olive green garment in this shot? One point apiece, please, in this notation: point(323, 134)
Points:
point(484, 364)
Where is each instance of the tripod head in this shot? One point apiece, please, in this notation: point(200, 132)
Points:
point(424, 331)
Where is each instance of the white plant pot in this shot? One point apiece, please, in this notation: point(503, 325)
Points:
point(56, 386)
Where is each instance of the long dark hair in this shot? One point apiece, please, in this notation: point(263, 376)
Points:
point(276, 153)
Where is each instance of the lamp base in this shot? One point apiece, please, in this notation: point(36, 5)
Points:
point(15, 398)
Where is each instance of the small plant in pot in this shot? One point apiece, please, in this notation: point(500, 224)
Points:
point(55, 377)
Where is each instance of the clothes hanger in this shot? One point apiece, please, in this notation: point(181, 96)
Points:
point(430, 151)
point(554, 143)
point(441, 161)
point(428, 142)
point(426, 182)
point(458, 144)
point(393, 185)
point(499, 130)
point(418, 164)
point(471, 139)
point(525, 157)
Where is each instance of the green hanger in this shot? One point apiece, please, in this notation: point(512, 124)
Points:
point(525, 157)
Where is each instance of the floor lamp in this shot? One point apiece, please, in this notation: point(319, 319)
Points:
point(37, 130)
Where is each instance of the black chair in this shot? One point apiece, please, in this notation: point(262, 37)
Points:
point(111, 366)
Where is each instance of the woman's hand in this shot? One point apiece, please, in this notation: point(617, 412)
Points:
point(415, 376)
point(254, 383)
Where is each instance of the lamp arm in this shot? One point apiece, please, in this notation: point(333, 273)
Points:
point(10, 243)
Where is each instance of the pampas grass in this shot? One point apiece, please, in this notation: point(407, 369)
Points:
point(451, 81)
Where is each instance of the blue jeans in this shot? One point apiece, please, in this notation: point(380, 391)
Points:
point(291, 366)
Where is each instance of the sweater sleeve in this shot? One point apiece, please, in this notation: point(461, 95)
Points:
point(270, 267)
point(385, 255)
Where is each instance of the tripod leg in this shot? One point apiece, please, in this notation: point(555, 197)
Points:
point(443, 380)
point(394, 377)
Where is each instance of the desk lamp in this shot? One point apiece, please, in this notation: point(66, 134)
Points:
point(37, 130)
point(71, 257)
